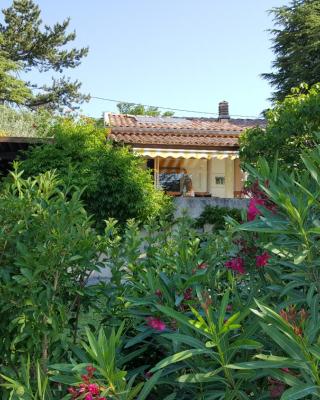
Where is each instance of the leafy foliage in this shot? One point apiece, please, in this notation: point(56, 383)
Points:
point(48, 250)
point(215, 216)
point(292, 127)
point(25, 45)
point(12, 89)
point(115, 181)
point(296, 46)
point(25, 123)
point(232, 314)
point(139, 109)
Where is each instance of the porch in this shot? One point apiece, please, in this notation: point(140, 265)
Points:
point(196, 173)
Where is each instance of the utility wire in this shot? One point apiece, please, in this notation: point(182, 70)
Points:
point(168, 108)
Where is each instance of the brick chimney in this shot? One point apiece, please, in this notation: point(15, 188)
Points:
point(224, 111)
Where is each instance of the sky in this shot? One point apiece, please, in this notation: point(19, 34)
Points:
point(186, 54)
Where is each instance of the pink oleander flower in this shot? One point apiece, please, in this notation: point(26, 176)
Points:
point(262, 260)
point(236, 264)
point(156, 324)
point(93, 388)
point(253, 211)
point(88, 397)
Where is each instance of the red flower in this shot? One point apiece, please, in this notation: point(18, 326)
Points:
point(156, 324)
point(262, 260)
point(236, 264)
point(88, 397)
point(158, 293)
point(253, 210)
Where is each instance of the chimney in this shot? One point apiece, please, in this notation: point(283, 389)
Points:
point(224, 111)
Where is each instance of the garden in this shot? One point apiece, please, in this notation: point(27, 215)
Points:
point(228, 314)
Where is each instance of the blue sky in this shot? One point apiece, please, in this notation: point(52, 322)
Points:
point(186, 54)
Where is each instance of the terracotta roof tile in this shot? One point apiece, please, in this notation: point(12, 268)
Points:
point(176, 131)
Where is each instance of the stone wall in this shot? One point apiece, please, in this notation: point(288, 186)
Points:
point(195, 205)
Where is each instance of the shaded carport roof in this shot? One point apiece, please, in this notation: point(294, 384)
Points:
point(11, 146)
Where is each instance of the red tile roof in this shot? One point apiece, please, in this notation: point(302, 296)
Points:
point(145, 131)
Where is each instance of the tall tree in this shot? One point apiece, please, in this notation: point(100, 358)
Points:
point(30, 45)
point(296, 43)
point(139, 109)
point(12, 89)
point(293, 127)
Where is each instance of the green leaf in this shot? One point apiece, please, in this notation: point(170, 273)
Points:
point(201, 377)
point(300, 392)
point(245, 344)
point(270, 362)
point(183, 355)
point(148, 386)
point(184, 339)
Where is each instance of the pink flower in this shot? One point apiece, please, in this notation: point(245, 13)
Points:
point(93, 388)
point(88, 397)
point(229, 307)
point(236, 264)
point(156, 324)
point(203, 266)
point(158, 293)
point(262, 260)
point(253, 210)
point(188, 294)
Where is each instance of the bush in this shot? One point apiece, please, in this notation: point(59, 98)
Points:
point(114, 181)
point(25, 123)
point(292, 127)
point(48, 250)
point(215, 216)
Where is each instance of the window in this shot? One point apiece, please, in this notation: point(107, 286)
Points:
point(219, 180)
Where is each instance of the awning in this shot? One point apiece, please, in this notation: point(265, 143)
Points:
point(197, 154)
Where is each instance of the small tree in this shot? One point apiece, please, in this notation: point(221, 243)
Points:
point(292, 127)
point(115, 181)
point(139, 109)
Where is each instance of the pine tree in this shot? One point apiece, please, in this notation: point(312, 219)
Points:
point(29, 45)
point(296, 43)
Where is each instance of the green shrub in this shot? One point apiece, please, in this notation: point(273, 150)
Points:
point(115, 181)
point(48, 249)
point(22, 123)
point(215, 216)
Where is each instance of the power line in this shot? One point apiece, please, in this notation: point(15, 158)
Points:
point(168, 108)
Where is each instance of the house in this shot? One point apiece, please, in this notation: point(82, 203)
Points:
point(195, 156)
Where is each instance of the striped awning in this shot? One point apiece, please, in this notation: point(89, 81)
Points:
point(197, 154)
